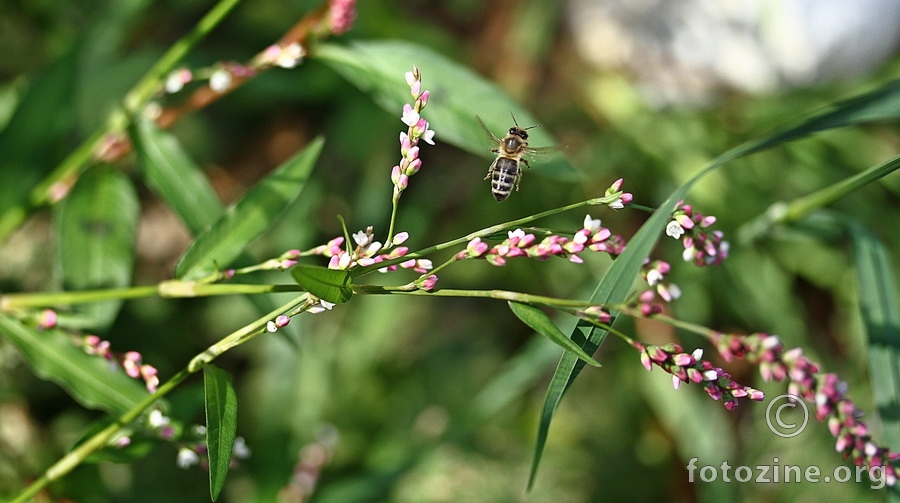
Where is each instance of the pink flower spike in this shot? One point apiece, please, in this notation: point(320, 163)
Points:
point(341, 14)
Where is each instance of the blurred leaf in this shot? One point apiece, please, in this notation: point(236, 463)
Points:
point(542, 324)
point(87, 378)
point(248, 218)
point(330, 285)
point(221, 424)
point(96, 228)
point(172, 174)
point(43, 117)
point(613, 288)
point(457, 95)
point(880, 308)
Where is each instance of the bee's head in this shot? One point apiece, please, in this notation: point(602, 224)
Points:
point(518, 131)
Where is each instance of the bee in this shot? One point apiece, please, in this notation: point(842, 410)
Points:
point(505, 172)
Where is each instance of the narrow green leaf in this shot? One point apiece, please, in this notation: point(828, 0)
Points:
point(174, 176)
point(221, 424)
point(249, 217)
point(88, 379)
point(330, 285)
point(879, 105)
point(457, 95)
point(542, 324)
point(880, 309)
point(96, 227)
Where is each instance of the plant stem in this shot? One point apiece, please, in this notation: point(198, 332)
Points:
point(486, 294)
point(102, 438)
point(168, 289)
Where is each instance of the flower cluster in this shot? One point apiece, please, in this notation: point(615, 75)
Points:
point(367, 253)
point(701, 246)
point(130, 362)
point(592, 237)
point(691, 368)
point(654, 273)
point(826, 391)
point(418, 129)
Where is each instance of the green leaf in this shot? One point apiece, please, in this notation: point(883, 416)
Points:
point(87, 378)
point(330, 285)
point(96, 227)
point(221, 424)
point(174, 176)
point(32, 140)
point(879, 105)
point(880, 308)
point(542, 324)
point(248, 218)
point(457, 95)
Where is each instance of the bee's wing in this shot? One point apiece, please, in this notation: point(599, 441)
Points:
point(541, 152)
point(496, 140)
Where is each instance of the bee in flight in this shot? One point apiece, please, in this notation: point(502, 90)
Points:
point(511, 150)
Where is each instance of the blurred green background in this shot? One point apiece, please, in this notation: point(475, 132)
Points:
point(437, 400)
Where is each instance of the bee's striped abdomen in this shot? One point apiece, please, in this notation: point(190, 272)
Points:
point(504, 176)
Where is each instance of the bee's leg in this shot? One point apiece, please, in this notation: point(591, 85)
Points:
point(519, 178)
point(490, 170)
point(526, 163)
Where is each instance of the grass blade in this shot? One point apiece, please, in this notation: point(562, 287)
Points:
point(879, 105)
point(878, 302)
point(248, 218)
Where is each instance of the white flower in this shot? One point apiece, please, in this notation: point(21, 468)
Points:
point(410, 117)
point(156, 419)
point(674, 229)
point(220, 81)
point(186, 458)
point(428, 136)
point(591, 224)
point(240, 449)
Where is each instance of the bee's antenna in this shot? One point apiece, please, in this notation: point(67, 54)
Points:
point(517, 123)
